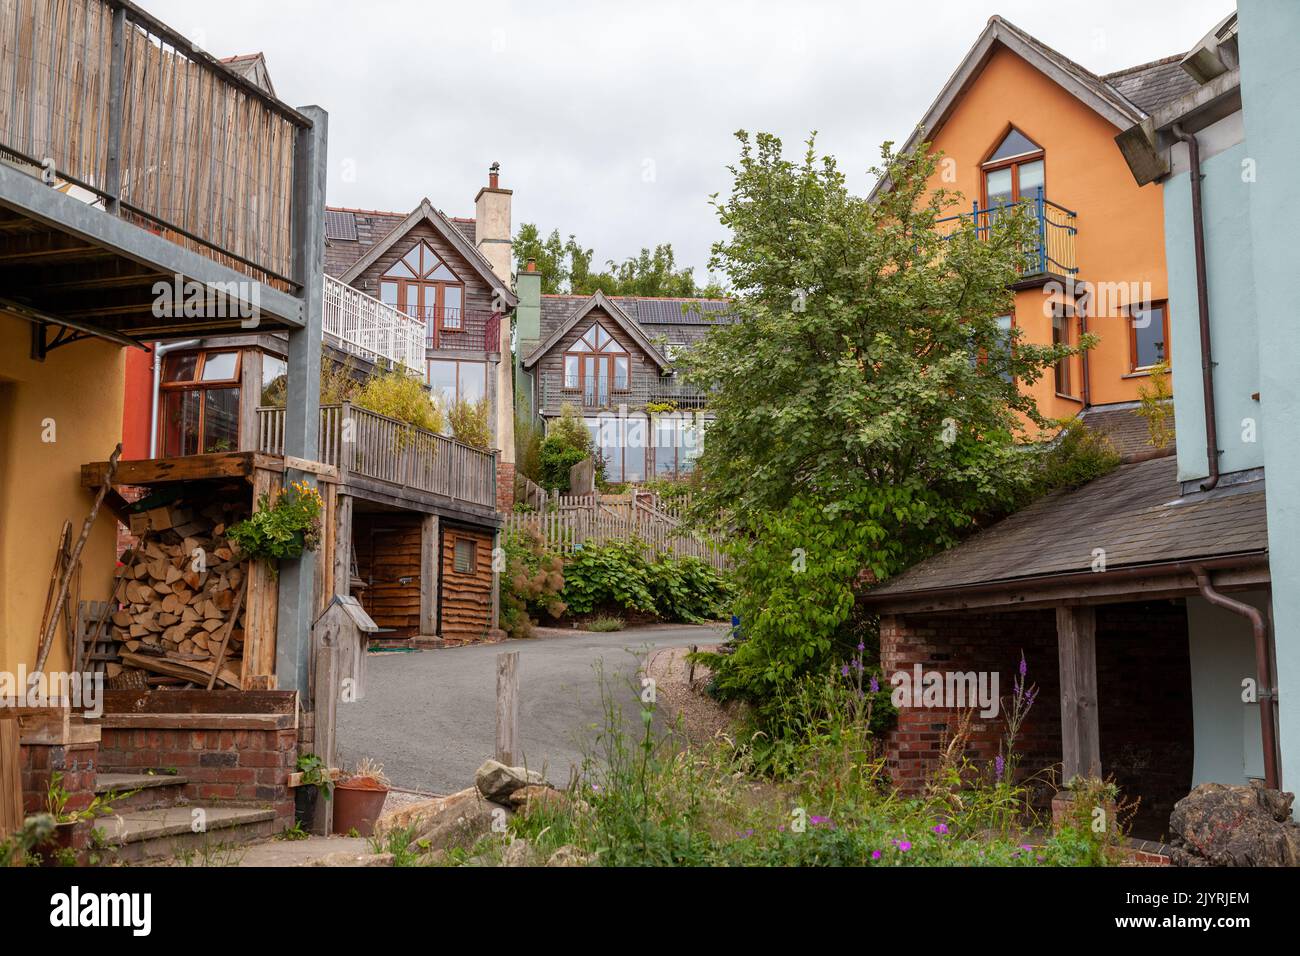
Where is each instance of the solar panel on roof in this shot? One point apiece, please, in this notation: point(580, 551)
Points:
point(340, 225)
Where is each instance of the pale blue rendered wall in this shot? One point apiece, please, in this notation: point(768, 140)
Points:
point(1233, 341)
point(1225, 730)
point(1270, 84)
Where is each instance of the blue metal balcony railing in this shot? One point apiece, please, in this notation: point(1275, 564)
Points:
point(1052, 250)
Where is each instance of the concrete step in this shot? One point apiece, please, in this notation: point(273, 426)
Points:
point(156, 790)
point(167, 832)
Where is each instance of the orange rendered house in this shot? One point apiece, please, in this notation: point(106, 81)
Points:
point(1019, 122)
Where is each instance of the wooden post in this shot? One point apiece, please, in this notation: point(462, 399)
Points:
point(430, 575)
point(1076, 637)
point(496, 582)
point(508, 708)
point(326, 708)
point(343, 546)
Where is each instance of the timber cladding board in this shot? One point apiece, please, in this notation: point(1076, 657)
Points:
point(466, 598)
point(388, 562)
point(641, 367)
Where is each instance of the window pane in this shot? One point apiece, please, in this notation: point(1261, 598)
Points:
point(401, 270)
point(1149, 334)
point(221, 419)
point(275, 380)
point(1016, 143)
point(998, 187)
point(180, 368)
point(1031, 179)
point(570, 371)
point(466, 555)
point(620, 372)
point(388, 292)
point(1061, 336)
point(219, 366)
point(473, 381)
point(443, 274)
point(442, 379)
point(180, 423)
point(451, 295)
point(412, 260)
point(1003, 355)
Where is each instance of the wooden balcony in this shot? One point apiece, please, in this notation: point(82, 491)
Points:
point(363, 325)
point(390, 458)
point(129, 157)
point(643, 389)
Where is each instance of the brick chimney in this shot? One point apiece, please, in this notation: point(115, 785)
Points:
point(492, 224)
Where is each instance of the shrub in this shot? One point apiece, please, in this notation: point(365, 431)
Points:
point(282, 527)
point(528, 443)
point(533, 581)
point(469, 423)
point(605, 624)
point(609, 577)
point(401, 396)
point(1079, 455)
point(1156, 406)
point(555, 460)
point(687, 589)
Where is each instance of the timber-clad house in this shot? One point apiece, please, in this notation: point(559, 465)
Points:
point(611, 359)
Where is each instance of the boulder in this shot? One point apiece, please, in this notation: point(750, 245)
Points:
point(460, 820)
point(415, 814)
point(496, 782)
point(1221, 825)
point(569, 856)
point(537, 793)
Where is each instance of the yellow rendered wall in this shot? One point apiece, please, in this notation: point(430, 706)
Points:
point(80, 387)
point(1121, 226)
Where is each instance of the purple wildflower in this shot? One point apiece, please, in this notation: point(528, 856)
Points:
point(861, 647)
point(874, 685)
point(941, 828)
point(875, 854)
point(1024, 666)
point(905, 846)
point(844, 671)
point(999, 765)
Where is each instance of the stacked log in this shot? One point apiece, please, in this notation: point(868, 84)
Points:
point(181, 588)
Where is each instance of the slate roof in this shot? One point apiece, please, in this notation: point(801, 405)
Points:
point(370, 225)
point(1150, 86)
point(1126, 429)
point(1135, 513)
point(658, 317)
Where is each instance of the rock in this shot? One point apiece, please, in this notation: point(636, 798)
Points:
point(569, 856)
point(518, 852)
point(459, 823)
point(415, 814)
point(497, 782)
point(344, 858)
point(534, 793)
point(1221, 825)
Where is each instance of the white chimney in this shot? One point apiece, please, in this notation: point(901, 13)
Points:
point(492, 224)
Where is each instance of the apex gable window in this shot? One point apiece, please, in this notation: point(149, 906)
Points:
point(424, 287)
point(1013, 171)
point(199, 403)
point(1148, 335)
point(597, 365)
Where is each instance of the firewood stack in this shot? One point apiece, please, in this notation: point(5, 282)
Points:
point(181, 588)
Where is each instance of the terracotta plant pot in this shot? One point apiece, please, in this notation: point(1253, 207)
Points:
point(358, 802)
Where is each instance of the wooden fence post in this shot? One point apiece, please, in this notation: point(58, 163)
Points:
point(325, 711)
point(508, 708)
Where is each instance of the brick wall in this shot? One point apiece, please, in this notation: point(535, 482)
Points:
point(77, 763)
point(505, 485)
point(244, 766)
point(1143, 690)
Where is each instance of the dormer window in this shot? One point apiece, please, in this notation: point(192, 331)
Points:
point(424, 287)
point(595, 365)
point(1013, 171)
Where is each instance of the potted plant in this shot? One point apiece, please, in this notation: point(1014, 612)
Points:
point(282, 527)
point(359, 798)
point(315, 784)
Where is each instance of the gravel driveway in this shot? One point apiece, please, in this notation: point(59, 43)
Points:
point(429, 717)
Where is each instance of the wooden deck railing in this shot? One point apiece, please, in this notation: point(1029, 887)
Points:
point(360, 442)
point(100, 95)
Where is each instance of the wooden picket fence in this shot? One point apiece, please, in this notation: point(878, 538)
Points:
point(566, 522)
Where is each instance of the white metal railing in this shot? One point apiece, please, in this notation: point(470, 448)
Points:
point(372, 329)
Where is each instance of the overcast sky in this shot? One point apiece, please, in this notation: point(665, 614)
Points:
point(614, 120)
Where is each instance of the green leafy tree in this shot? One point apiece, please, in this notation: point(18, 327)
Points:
point(867, 404)
point(566, 266)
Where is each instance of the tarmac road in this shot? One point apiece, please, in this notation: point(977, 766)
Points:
point(430, 717)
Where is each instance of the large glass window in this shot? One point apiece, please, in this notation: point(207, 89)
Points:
point(199, 403)
point(454, 380)
point(425, 288)
point(678, 441)
point(1014, 170)
point(596, 365)
point(621, 444)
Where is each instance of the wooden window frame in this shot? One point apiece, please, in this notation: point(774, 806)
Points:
point(1066, 318)
point(608, 357)
point(1133, 367)
point(434, 314)
point(456, 539)
point(1015, 162)
point(196, 384)
point(428, 378)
